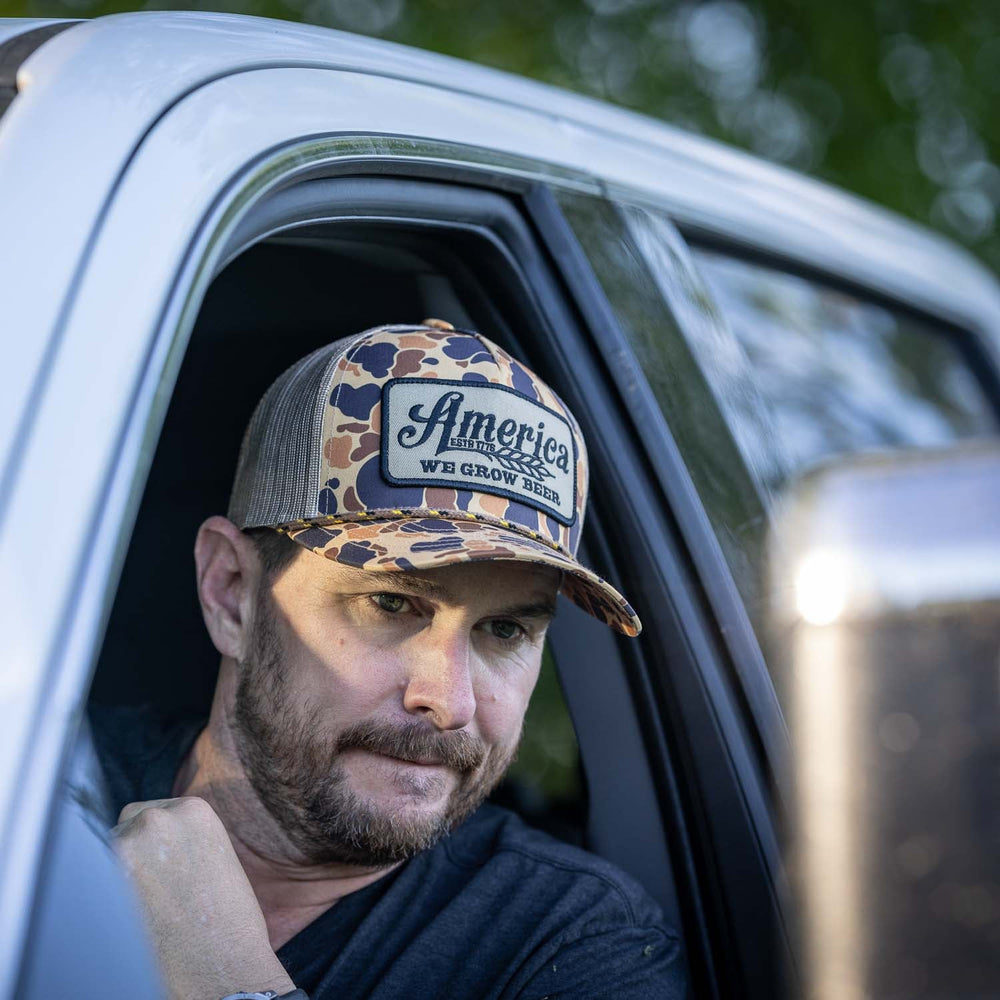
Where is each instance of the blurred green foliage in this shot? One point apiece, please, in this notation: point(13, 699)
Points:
point(890, 99)
point(547, 760)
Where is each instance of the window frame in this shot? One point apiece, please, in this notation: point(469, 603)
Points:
point(57, 640)
point(512, 226)
point(380, 198)
point(684, 665)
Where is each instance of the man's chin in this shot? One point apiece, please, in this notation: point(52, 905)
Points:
point(381, 830)
point(390, 783)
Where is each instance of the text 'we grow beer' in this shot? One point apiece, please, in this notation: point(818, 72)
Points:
point(482, 437)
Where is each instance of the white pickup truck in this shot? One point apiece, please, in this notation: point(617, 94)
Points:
point(189, 202)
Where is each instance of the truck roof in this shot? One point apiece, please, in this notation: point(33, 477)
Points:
point(150, 60)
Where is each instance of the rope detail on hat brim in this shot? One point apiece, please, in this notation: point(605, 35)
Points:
point(394, 514)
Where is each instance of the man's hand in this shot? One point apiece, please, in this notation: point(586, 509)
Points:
point(208, 929)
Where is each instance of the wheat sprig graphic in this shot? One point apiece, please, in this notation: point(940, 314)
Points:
point(518, 461)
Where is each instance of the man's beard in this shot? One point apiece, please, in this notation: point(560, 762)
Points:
point(299, 776)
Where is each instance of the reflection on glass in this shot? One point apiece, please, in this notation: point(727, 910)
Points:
point(672, 326)
point(720, 354)
point(839, 374)
point(821, 582)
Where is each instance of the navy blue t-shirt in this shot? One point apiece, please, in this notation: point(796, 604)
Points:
point(495, 909)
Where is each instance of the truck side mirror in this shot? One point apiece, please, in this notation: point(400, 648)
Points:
point(885, 635)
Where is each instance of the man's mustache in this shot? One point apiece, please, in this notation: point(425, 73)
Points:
point(458, 750)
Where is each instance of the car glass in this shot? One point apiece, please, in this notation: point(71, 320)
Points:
point(658, 300)
point(761, 374)
point(840, 374)
point(86, 936)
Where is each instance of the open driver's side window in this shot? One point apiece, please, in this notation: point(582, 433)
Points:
point(272, 304)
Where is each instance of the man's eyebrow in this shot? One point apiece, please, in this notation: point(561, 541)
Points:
point(537, 609)
point(402, 582)
point(407, 583)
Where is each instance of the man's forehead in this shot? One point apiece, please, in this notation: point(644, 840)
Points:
point(459, 580)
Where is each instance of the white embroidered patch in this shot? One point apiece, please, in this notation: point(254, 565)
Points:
point(478, 436)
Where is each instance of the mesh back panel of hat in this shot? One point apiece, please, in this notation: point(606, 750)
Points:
point(277, 477)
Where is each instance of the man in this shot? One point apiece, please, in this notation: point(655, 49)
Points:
point(407, 505)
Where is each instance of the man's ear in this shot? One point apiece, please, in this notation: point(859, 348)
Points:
point(228, 573)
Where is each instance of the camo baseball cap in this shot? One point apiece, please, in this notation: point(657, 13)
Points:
point(410, 447)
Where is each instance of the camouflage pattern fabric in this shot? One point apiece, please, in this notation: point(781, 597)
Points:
point(423, 539)
point(363, 517)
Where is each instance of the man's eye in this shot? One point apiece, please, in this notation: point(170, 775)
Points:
point(504, 629)
point(391, 603)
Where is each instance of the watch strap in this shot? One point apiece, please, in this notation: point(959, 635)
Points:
point(267, 995)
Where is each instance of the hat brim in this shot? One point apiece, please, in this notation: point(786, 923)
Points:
point(398, 541)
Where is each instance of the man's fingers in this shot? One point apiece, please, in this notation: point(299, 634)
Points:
point(180, 817)
point(134, 808)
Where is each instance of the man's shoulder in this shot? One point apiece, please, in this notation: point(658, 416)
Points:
point(500, 845)
point(543, 917)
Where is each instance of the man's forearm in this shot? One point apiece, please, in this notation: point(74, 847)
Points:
point(208, 930)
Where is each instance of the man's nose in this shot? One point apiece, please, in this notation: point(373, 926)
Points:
point(439, 680)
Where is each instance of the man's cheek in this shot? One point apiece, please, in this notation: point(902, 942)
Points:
point(507, 696)
point(363, 681)
point(500, 721)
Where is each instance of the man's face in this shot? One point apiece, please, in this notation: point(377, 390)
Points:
point(376, 710)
